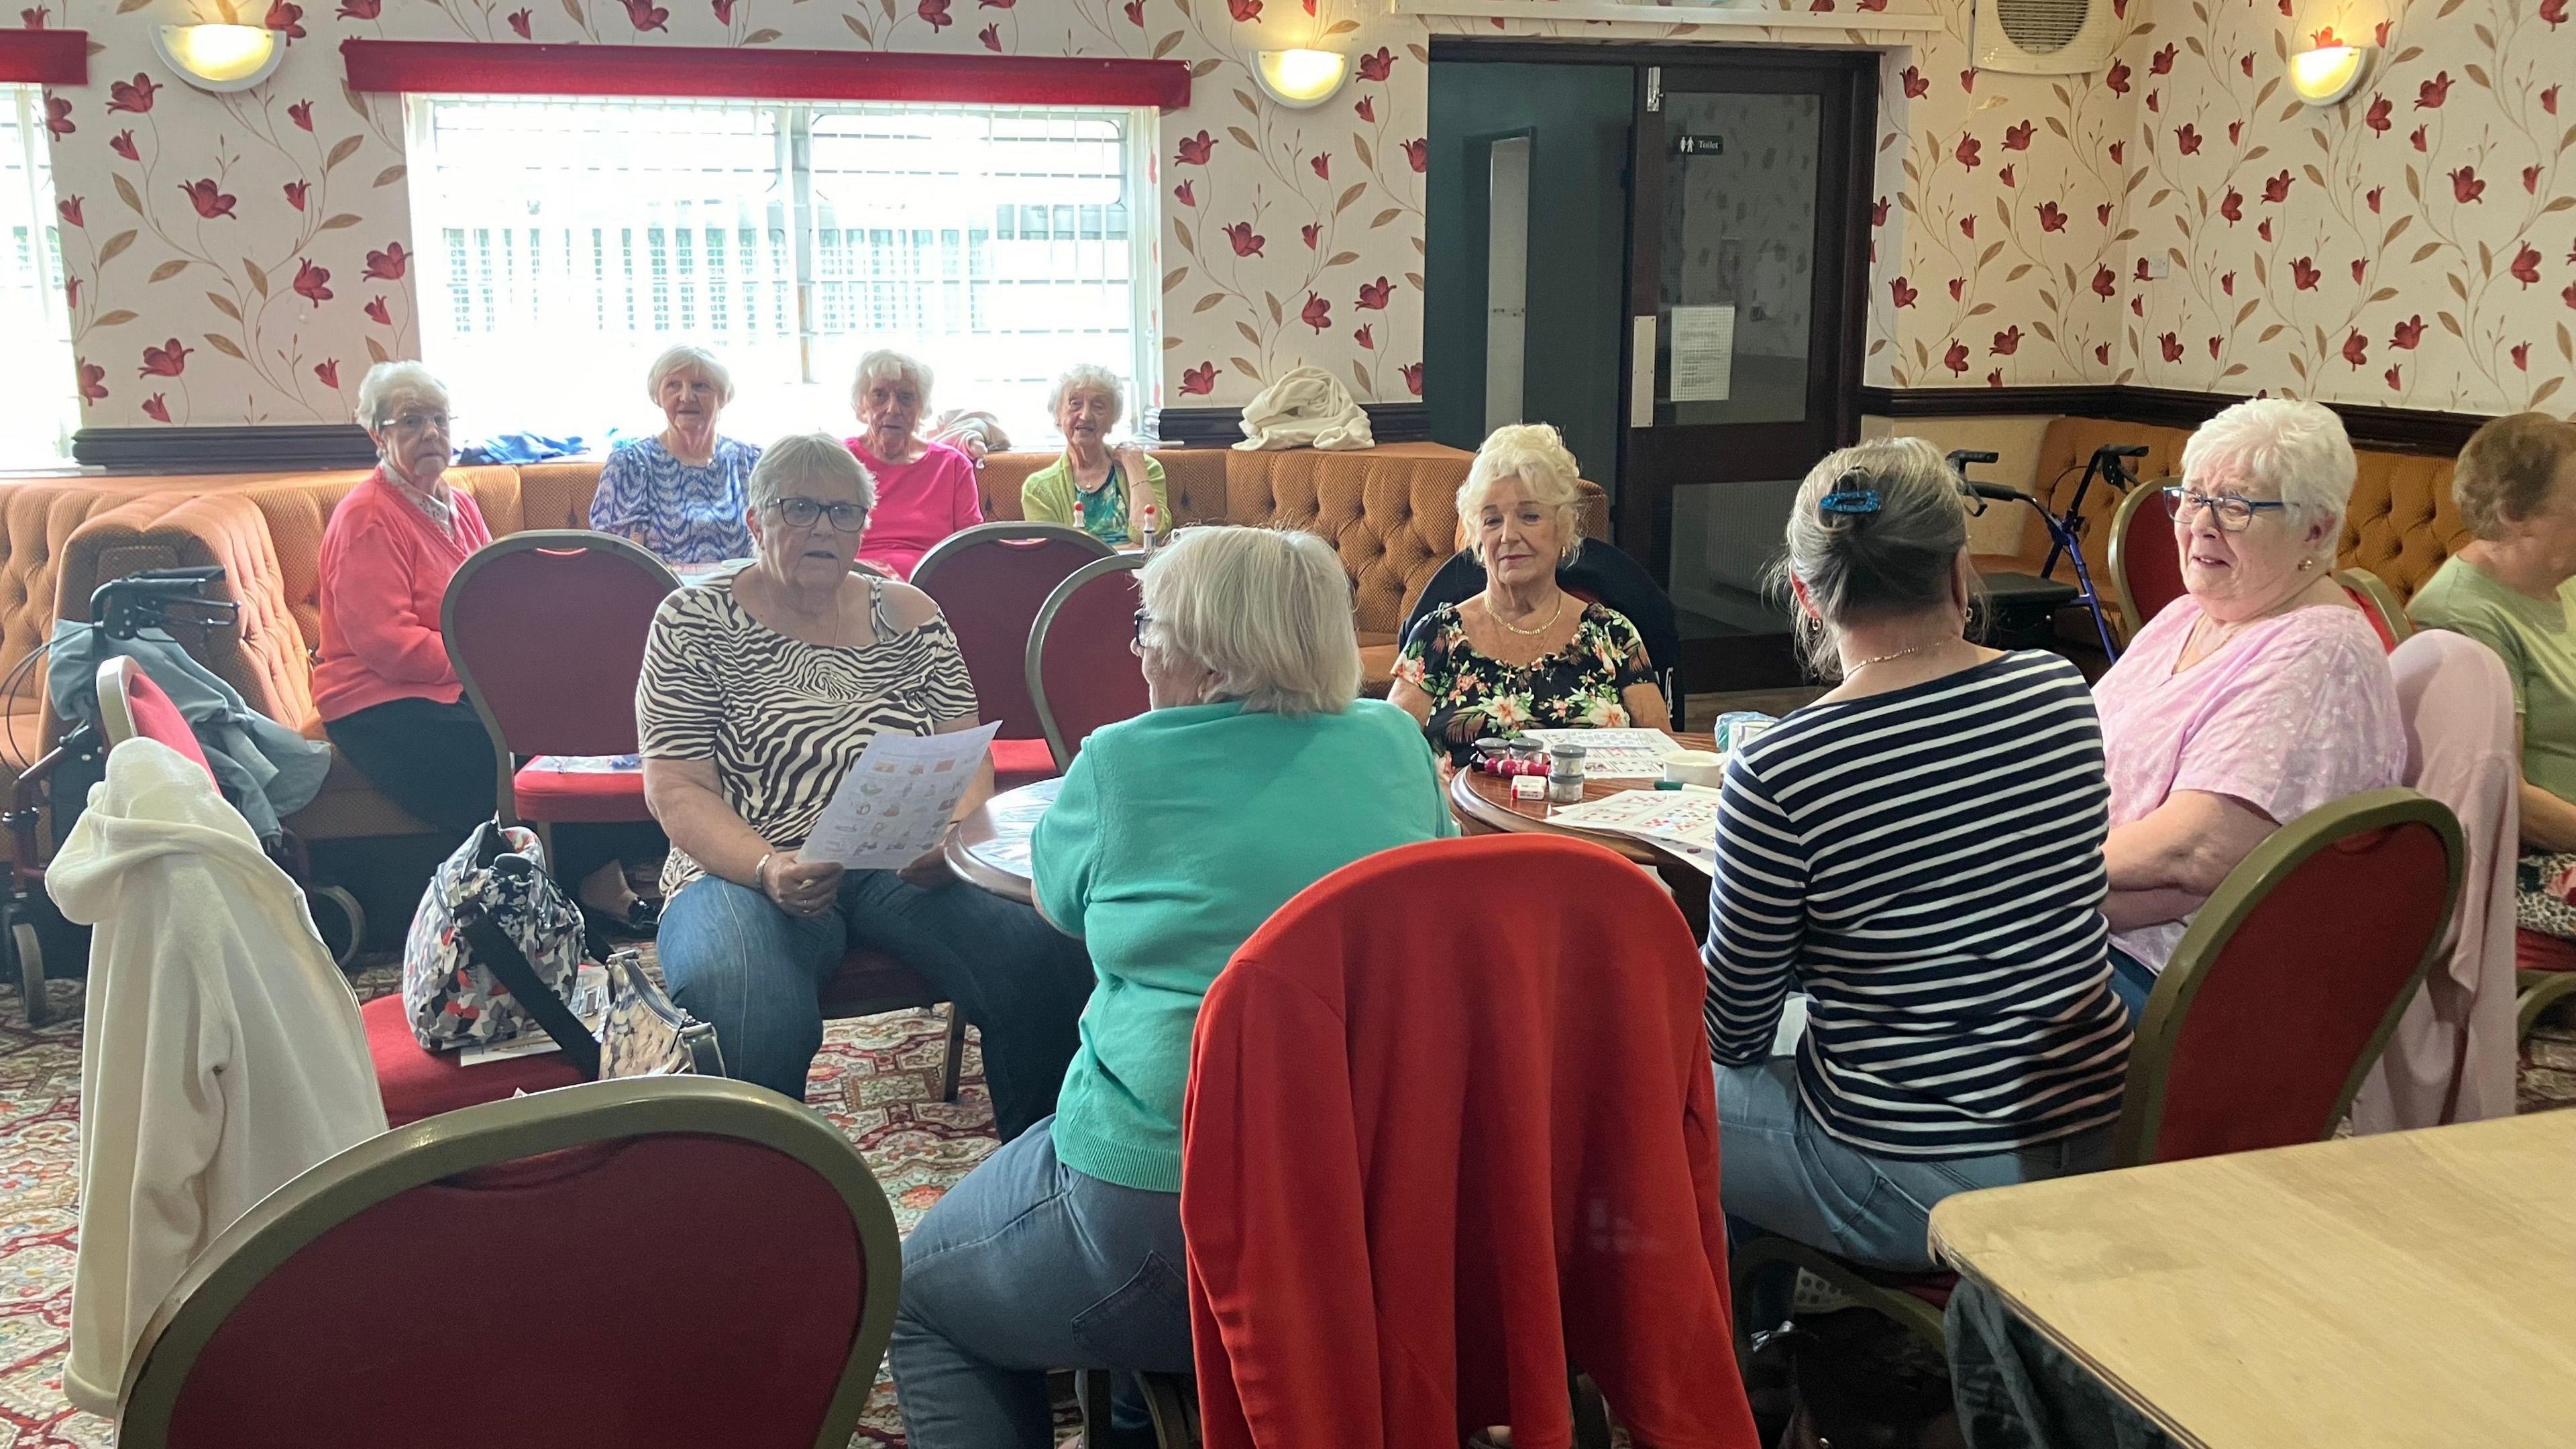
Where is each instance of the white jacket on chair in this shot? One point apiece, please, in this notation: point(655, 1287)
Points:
point(222, 1054)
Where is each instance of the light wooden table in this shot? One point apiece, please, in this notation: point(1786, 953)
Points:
point(2413, 1289)
point(1484, 804)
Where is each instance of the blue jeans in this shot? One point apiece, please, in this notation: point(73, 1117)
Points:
point(1027, 1266)
point(2132, 982)
point(2015, 1390)
point(737, 962)
point(1779, 1170)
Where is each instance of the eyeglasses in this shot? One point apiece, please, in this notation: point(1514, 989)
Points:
point(1143, 618)
point(419, 422)
point(2233, 514)
point(801, 513)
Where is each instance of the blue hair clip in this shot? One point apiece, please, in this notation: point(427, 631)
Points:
point(1850, 500)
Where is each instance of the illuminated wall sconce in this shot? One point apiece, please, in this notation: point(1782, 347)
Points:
point(1301, 79)
point(2328, 73)
point(220, 57)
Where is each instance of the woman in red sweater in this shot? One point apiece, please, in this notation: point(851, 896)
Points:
point(925, 490)
point(387, 697)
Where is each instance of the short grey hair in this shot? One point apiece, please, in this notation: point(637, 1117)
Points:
point(2298, 448)
point(803, 458)
point(1893, 557)
point(887, 365)
point(388, 382)
point(1267, 611)
point(685, 358)
point(1088, 377)
point(1533, 453)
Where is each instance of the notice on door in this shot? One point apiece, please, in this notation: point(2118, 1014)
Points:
point(1703, 353)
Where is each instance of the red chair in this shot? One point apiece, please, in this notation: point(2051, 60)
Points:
point(991, 580)
point(661, 1263)
point(2146, 567)
point(2267, 1019)
point(1081, 673)
point(2378, 604)
point(546, 631)
point(130, 705)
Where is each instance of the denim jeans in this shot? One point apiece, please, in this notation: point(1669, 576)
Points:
point(2132, 982)
point(2017, 1391)
point(1782, 1172)
point(737, 962)
point(1027, 1266)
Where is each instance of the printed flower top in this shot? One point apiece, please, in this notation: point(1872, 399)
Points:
point(685, 513)
point(1474, 695)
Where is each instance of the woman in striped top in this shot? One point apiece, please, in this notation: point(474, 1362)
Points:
point(1920, 853)
point(761, 688)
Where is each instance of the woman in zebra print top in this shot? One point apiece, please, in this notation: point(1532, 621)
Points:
point(761, 687)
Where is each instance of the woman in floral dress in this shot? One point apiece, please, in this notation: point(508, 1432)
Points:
point(1524, 654)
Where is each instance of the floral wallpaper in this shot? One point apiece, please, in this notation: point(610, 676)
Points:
point(242, 259)
point(2414, 246)
point(2175, 219)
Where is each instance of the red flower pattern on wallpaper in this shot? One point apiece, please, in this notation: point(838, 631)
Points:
point(1317, 313)
point(388, 265)
point(1412, 372)
point(1378, 65)
point(327, 372)
point(286, 18)
point(645, 15)
point(1365, 337)
point(301, 113)
point(1956, 358)
point(1198, 381)
point(155, 409)
point(58, 116)
point(376, 313)
point(519, 25)
point(2304, 274)
point(1374, 295)
point(69, 208)
point(1195, 150)
point(936, 13)
point(1243, 12)
point(93, 382)
point(361, 9)
point(313, 283)
point(2408, 334)
point(210, 200)
point(1902, 294)
point(1417, 153)
point(2465, 185)
point(1323, 164)
point(1245, 243)
point(133, 97)
point(295, 193)
point(170, 359)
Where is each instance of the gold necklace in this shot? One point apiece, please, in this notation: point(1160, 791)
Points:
point(1552, 616)
point(1858, 665)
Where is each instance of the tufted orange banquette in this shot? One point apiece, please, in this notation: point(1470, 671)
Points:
point(1390, 512)
point(2402, 523)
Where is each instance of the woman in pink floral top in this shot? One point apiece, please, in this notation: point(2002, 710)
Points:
point(1523, 654)
point(2261, 694)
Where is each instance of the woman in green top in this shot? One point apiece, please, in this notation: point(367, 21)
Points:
point(2509, 590)
point(1100, 491)
point(1257, 772)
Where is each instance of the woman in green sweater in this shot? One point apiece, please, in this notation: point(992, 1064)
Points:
point(1093, 487)
point(1257, 772)
point(2509, 589)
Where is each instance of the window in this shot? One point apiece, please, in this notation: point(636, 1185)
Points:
point(39, 404)
point(564, 243)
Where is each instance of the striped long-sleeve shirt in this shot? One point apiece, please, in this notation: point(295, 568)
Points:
point(1927, 865)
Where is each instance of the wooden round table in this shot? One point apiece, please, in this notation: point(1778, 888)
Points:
point(1484, 806)
point(989, 849)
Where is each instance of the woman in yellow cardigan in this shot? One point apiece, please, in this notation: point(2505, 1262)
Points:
point(1101, 491)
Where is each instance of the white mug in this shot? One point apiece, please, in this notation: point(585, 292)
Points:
point(1695, 767)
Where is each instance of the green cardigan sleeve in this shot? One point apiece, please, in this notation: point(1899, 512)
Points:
point(1047, 496)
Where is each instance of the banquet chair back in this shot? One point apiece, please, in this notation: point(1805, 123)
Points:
point(991, 580)
point(130, 705)
point(2146, 566)
point(1081, 672)
point(2378, 603)
point(546, 630)
point(582, 1254)
point(2275, 1005)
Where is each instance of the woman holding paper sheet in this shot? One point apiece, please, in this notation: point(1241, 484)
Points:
point(761, 688)
point(1920, 852)
point(1523, 654)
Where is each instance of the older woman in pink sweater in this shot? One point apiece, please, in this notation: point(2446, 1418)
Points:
point(925, 490)
point(387, 696)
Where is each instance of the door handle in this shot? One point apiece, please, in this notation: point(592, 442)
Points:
point(1641, 371)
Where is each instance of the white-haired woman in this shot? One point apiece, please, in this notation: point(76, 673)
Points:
point(1064, 1248)
point(381, 683)
point(680, 493)
point(925, 490)
point(2259, 695)
point(1093, 487)
point(761, 688)
point(1920, 852)
point(1523, 654)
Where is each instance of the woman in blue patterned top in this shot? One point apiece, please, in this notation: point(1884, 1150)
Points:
point(680, 493)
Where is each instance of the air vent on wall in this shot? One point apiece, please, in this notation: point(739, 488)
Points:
point(2043, 37)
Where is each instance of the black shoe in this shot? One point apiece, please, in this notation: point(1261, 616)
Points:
point(641, 921)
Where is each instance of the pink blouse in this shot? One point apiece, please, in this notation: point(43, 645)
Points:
point(918, 504)
point(2293, 713)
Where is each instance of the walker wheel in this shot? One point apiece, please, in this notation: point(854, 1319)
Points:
point(30, 952)
point(340, 919)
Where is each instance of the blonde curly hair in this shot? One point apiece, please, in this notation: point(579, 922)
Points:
point(1533, 453)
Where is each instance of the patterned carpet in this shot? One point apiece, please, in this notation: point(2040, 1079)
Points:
point(876, 1078)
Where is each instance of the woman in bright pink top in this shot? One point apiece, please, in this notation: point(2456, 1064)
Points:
point(2258, 696)
point(925, 490)
point(387, 696)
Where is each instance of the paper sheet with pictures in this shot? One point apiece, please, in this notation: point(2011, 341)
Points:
point(898, 799)
point(1629, 754)
point(1682, 821)
point(588, 764)
point(1014, 814)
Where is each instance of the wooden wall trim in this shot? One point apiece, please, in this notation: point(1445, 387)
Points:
point(345, 445)
point(2386, 430)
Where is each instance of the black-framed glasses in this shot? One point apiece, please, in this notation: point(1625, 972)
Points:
point(1143, 618)
point(801, 513)
point(2234, 515)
